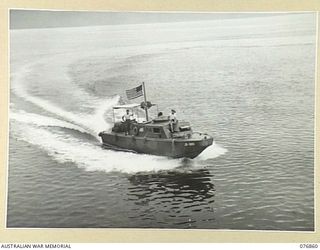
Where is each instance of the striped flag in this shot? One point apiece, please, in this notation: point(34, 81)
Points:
point(134, 93)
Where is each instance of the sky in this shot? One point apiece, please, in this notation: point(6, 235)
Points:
point(25, 19)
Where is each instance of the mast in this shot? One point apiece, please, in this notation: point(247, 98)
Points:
point(145, 100)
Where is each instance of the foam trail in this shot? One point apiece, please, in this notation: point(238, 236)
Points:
point(93, 124)
point(89, 156)
point(40, 120)
point(211, 152)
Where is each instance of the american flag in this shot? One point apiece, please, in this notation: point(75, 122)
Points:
point(134, 93)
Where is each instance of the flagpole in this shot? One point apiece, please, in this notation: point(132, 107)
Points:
point(145, 100)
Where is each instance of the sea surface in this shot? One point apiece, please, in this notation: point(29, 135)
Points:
point(249, 82)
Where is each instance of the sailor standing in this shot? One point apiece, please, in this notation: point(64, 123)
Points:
point(127, 120)
point(172, 120)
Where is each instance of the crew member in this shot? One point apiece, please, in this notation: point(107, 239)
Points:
point(127, 121)
point(172, 120)
point(161, 116)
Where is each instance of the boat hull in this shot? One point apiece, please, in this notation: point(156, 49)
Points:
point(174, 148)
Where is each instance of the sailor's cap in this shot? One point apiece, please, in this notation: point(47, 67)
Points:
point(172, 110)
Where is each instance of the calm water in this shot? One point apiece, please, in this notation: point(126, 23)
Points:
point(248, 82)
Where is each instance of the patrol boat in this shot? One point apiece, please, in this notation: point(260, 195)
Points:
point(157, 136)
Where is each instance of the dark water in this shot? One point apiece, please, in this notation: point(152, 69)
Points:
point(249, 83)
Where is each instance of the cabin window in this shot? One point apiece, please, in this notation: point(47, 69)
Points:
point(156, 130)
point(141, 130)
